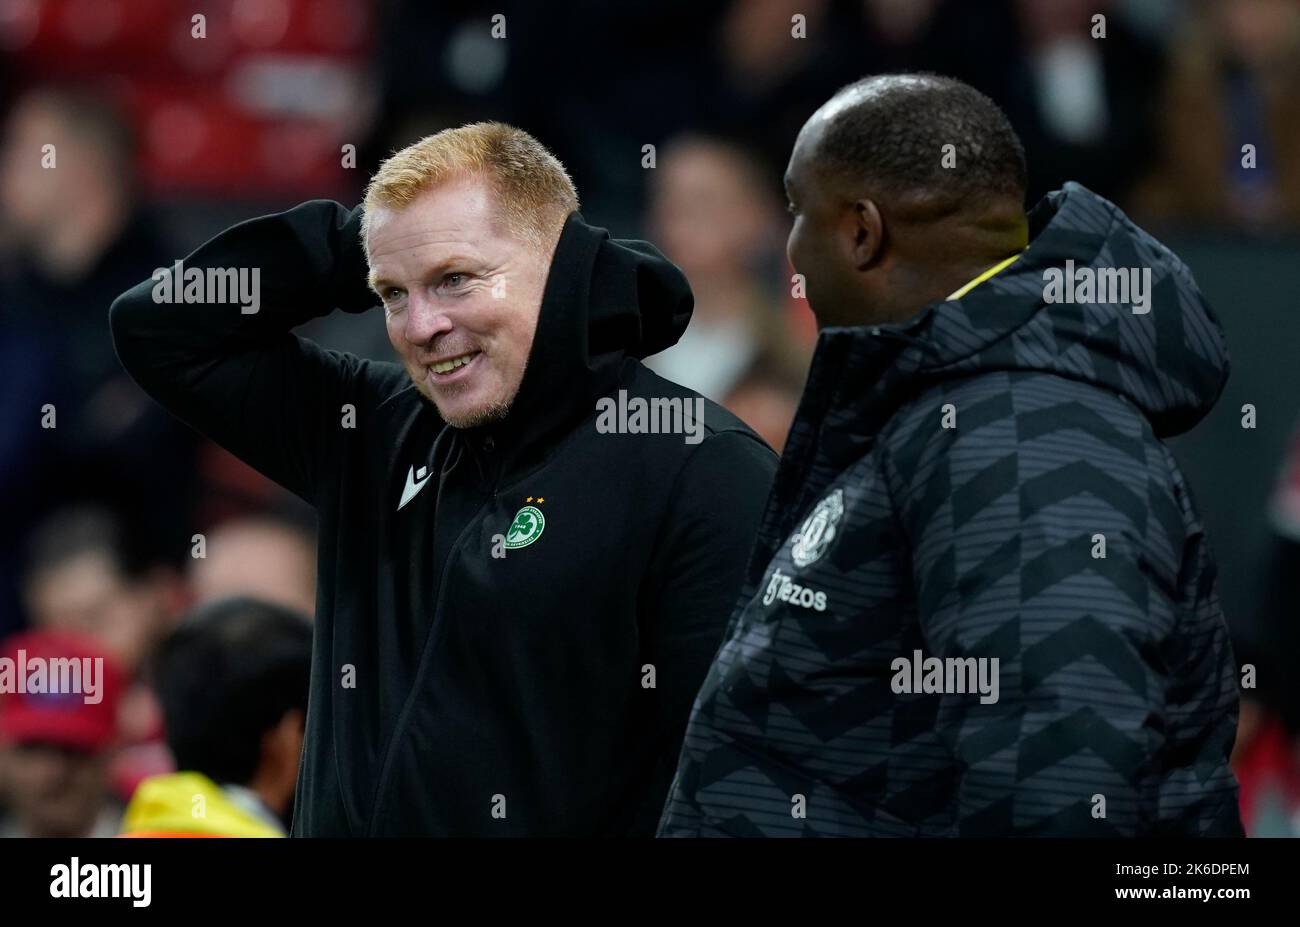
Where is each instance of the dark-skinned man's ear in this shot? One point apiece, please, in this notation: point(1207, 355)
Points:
point(868, 233)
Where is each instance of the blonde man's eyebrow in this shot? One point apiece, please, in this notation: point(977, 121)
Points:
point(433, 272)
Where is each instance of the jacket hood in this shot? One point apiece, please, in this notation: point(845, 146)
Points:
point(1156, 341)
point(1145, 332)
point(1170, 362)
point(605, 300)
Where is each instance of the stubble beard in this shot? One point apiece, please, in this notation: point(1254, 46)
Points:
point(493, 411)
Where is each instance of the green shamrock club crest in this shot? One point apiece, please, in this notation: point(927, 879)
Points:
point(527, 527)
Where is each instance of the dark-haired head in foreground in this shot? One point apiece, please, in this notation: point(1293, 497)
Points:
point(887, 217)
point(232, 680)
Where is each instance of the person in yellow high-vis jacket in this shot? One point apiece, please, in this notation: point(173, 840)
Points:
point(232, 681)
point(189, 804)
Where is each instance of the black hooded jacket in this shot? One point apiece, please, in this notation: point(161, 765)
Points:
point(985, 486)
point(461, 685)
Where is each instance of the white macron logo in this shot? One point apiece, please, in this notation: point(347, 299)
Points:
point(415, 480)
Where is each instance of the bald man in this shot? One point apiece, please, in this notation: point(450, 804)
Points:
point(981, 600)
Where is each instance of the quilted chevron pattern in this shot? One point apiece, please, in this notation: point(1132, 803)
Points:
point(1049, 528)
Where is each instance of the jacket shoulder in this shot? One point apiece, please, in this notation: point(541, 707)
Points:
point(646, 384)
point(1012, 410)
point(1042, 444)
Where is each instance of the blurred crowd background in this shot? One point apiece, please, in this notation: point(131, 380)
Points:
point(163, 138)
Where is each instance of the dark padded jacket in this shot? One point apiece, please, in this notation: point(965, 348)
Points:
point(985, 482)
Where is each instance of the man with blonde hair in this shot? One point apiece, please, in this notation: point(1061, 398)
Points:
point(528, 542)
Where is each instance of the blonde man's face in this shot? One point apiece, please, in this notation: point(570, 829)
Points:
point(461, 297)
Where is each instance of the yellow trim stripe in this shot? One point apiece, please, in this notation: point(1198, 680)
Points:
point(984, 276)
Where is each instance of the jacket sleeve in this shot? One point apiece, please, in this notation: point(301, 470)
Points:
point(243, 378)
point(695, 577)
point(1006, 516)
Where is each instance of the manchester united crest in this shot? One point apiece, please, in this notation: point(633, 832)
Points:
point(818, 530)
